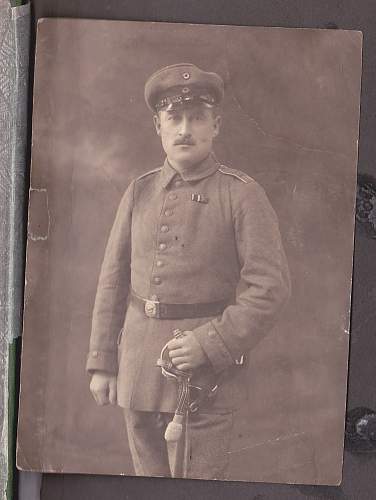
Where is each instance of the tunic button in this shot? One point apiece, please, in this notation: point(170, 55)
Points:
point(164, 229)
point(162, 246)
point(159, 263)
point(168, 212)
point(157, 280)
point(154, 297)
point(94, 354)
point(211, 333)
point(173, 196)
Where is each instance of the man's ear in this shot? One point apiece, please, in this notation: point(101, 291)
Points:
point(217, 125)
point(157, 124)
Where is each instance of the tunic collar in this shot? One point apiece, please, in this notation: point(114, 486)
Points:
point(200, 171)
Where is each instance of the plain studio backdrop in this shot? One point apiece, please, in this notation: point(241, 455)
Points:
point(290, 120)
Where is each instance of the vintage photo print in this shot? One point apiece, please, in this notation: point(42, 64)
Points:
point(190, 247)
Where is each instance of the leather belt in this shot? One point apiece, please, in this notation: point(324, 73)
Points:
point(160, 310)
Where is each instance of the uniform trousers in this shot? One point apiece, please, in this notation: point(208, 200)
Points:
point(208, 441)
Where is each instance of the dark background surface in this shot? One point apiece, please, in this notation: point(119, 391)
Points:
point(346, 15)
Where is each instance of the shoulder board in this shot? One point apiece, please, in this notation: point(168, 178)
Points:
point(236, 173)
point(149, 173)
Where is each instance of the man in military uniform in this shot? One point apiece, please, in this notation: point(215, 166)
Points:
point(195, 246)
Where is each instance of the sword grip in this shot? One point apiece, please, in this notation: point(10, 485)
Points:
point(177, 333)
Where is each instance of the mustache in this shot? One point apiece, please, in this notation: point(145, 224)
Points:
point(184, 141)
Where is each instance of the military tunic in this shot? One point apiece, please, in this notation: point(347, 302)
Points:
point(198, 236)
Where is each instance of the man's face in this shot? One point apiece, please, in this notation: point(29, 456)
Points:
point(187, 134)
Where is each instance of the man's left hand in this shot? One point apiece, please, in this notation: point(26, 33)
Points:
point(186, 352)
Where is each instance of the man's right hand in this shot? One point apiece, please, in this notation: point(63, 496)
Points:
point(103, 388)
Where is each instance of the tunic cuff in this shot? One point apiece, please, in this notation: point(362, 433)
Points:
point(214, 347)
point(106, 361)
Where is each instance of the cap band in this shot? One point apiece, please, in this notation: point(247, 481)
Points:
point(170, 102)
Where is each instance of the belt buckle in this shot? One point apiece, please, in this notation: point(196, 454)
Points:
point(151, 308)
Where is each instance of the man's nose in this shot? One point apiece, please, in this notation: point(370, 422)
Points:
point(185, 126)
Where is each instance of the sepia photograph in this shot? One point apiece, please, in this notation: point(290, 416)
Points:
point(190, 247)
